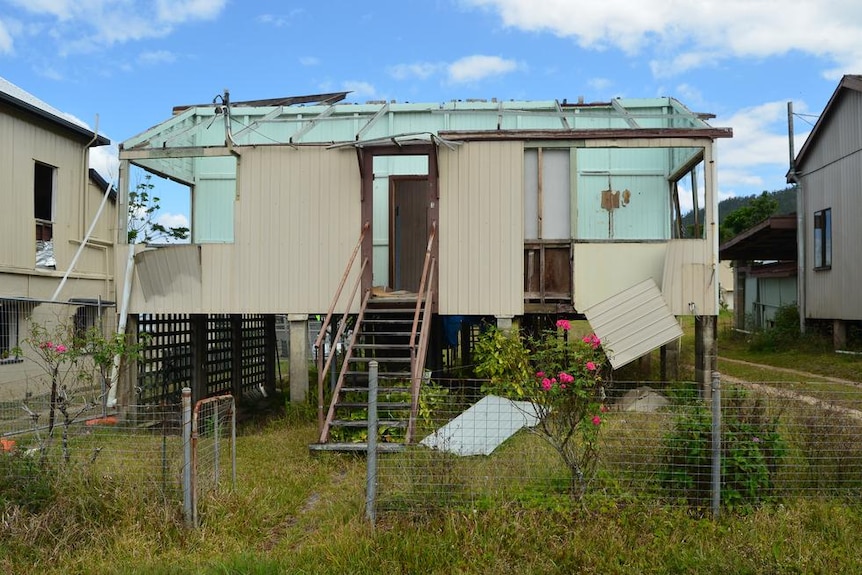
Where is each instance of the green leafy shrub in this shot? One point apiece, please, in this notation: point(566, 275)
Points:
point(784, 331)
point(561, 380)
point(751, 449)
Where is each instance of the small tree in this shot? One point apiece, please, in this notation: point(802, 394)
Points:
point(76, 365)
point(562, 381)
point(143, 206)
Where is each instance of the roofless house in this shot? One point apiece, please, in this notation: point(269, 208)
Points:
point(405, 215)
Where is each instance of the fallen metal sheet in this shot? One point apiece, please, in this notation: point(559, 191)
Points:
point(483, 427)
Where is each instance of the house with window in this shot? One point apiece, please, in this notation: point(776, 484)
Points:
point(828, 173)
point(51, 199)
point(764, 272)
point(409, 221)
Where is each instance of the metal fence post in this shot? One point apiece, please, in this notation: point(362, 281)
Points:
point(188, 505)
point(371, 473)
point(716, 443)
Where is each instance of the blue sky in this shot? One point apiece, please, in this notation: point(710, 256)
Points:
point(131, 61)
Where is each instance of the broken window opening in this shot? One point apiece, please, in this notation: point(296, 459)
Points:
point(547, 225)
point(44, 186)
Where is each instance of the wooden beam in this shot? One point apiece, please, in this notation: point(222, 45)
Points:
point(179, 152)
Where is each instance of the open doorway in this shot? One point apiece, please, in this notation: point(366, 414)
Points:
point(400, 200)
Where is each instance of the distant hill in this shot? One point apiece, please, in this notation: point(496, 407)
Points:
point(786, 205)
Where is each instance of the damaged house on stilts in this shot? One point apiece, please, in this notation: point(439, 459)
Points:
point(410, 218)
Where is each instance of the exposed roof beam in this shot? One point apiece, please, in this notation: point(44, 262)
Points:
point(592, 134)
point(374, 119)
point(310, 125)
point(181, 152)
point(272, 114)
point(624, 113)
point(563, 118)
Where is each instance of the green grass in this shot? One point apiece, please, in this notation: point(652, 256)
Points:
point(295, 512)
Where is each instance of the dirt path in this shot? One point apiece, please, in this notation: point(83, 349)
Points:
point(773, 391)
point(806, 374)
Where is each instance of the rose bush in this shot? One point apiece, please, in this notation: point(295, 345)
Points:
point(562, 379)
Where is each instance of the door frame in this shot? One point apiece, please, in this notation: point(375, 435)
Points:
point(366, 155)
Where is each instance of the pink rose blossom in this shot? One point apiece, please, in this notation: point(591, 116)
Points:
point(564, 324)
point(540, 374)
point(546, 384)
point(591, 366)
point(597, 420)
point(566, 378)
point(60, 348)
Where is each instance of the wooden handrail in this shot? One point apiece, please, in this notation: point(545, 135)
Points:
point(420, 295)
point(418, 358)
point(321, 369)
point(346, 273)
point(324, 429)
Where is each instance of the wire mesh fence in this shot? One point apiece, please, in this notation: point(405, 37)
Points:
point(143, 451)
point(213, 449)
point(778, 440)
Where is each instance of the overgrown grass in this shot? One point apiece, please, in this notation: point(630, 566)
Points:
point(295, 512)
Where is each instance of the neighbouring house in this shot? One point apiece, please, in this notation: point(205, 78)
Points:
point(764, 271)
point(51, 198)
point(414, 220)
point(828, 173)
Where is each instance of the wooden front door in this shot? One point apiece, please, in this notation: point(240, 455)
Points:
point(408, 230)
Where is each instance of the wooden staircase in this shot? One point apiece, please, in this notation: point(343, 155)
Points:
point(392, 329)
point(383, 335)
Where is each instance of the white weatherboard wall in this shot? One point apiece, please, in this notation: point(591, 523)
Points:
point(482, 229)
point(633, 322)
point(601, 268)
point(297, 220)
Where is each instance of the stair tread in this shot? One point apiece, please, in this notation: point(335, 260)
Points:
point(364, 423)
point(380, 404)
point(379, 359)
point(340, 446)
point(380, 390)
point(381, 346)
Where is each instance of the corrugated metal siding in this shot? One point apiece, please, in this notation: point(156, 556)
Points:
point(836, 184)
point(633, 322)
point(171, 272)
point(689, 284)
point(75, 204)
point(297, 222)
point(602, 269)
point(482, 229)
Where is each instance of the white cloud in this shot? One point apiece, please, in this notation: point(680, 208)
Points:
point(360, 89)
point(156, 57)
point(309, 61)
point(279, 20)
point(479, 67)
point(179, 11)
point(698, 33)
point(105, 160)
point(421, 70)
point(6, 44)
point(86, 26)
point(170, 220)
point(757, 157)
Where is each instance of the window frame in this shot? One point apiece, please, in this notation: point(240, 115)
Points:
point(822, 245)
point(10, 330)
